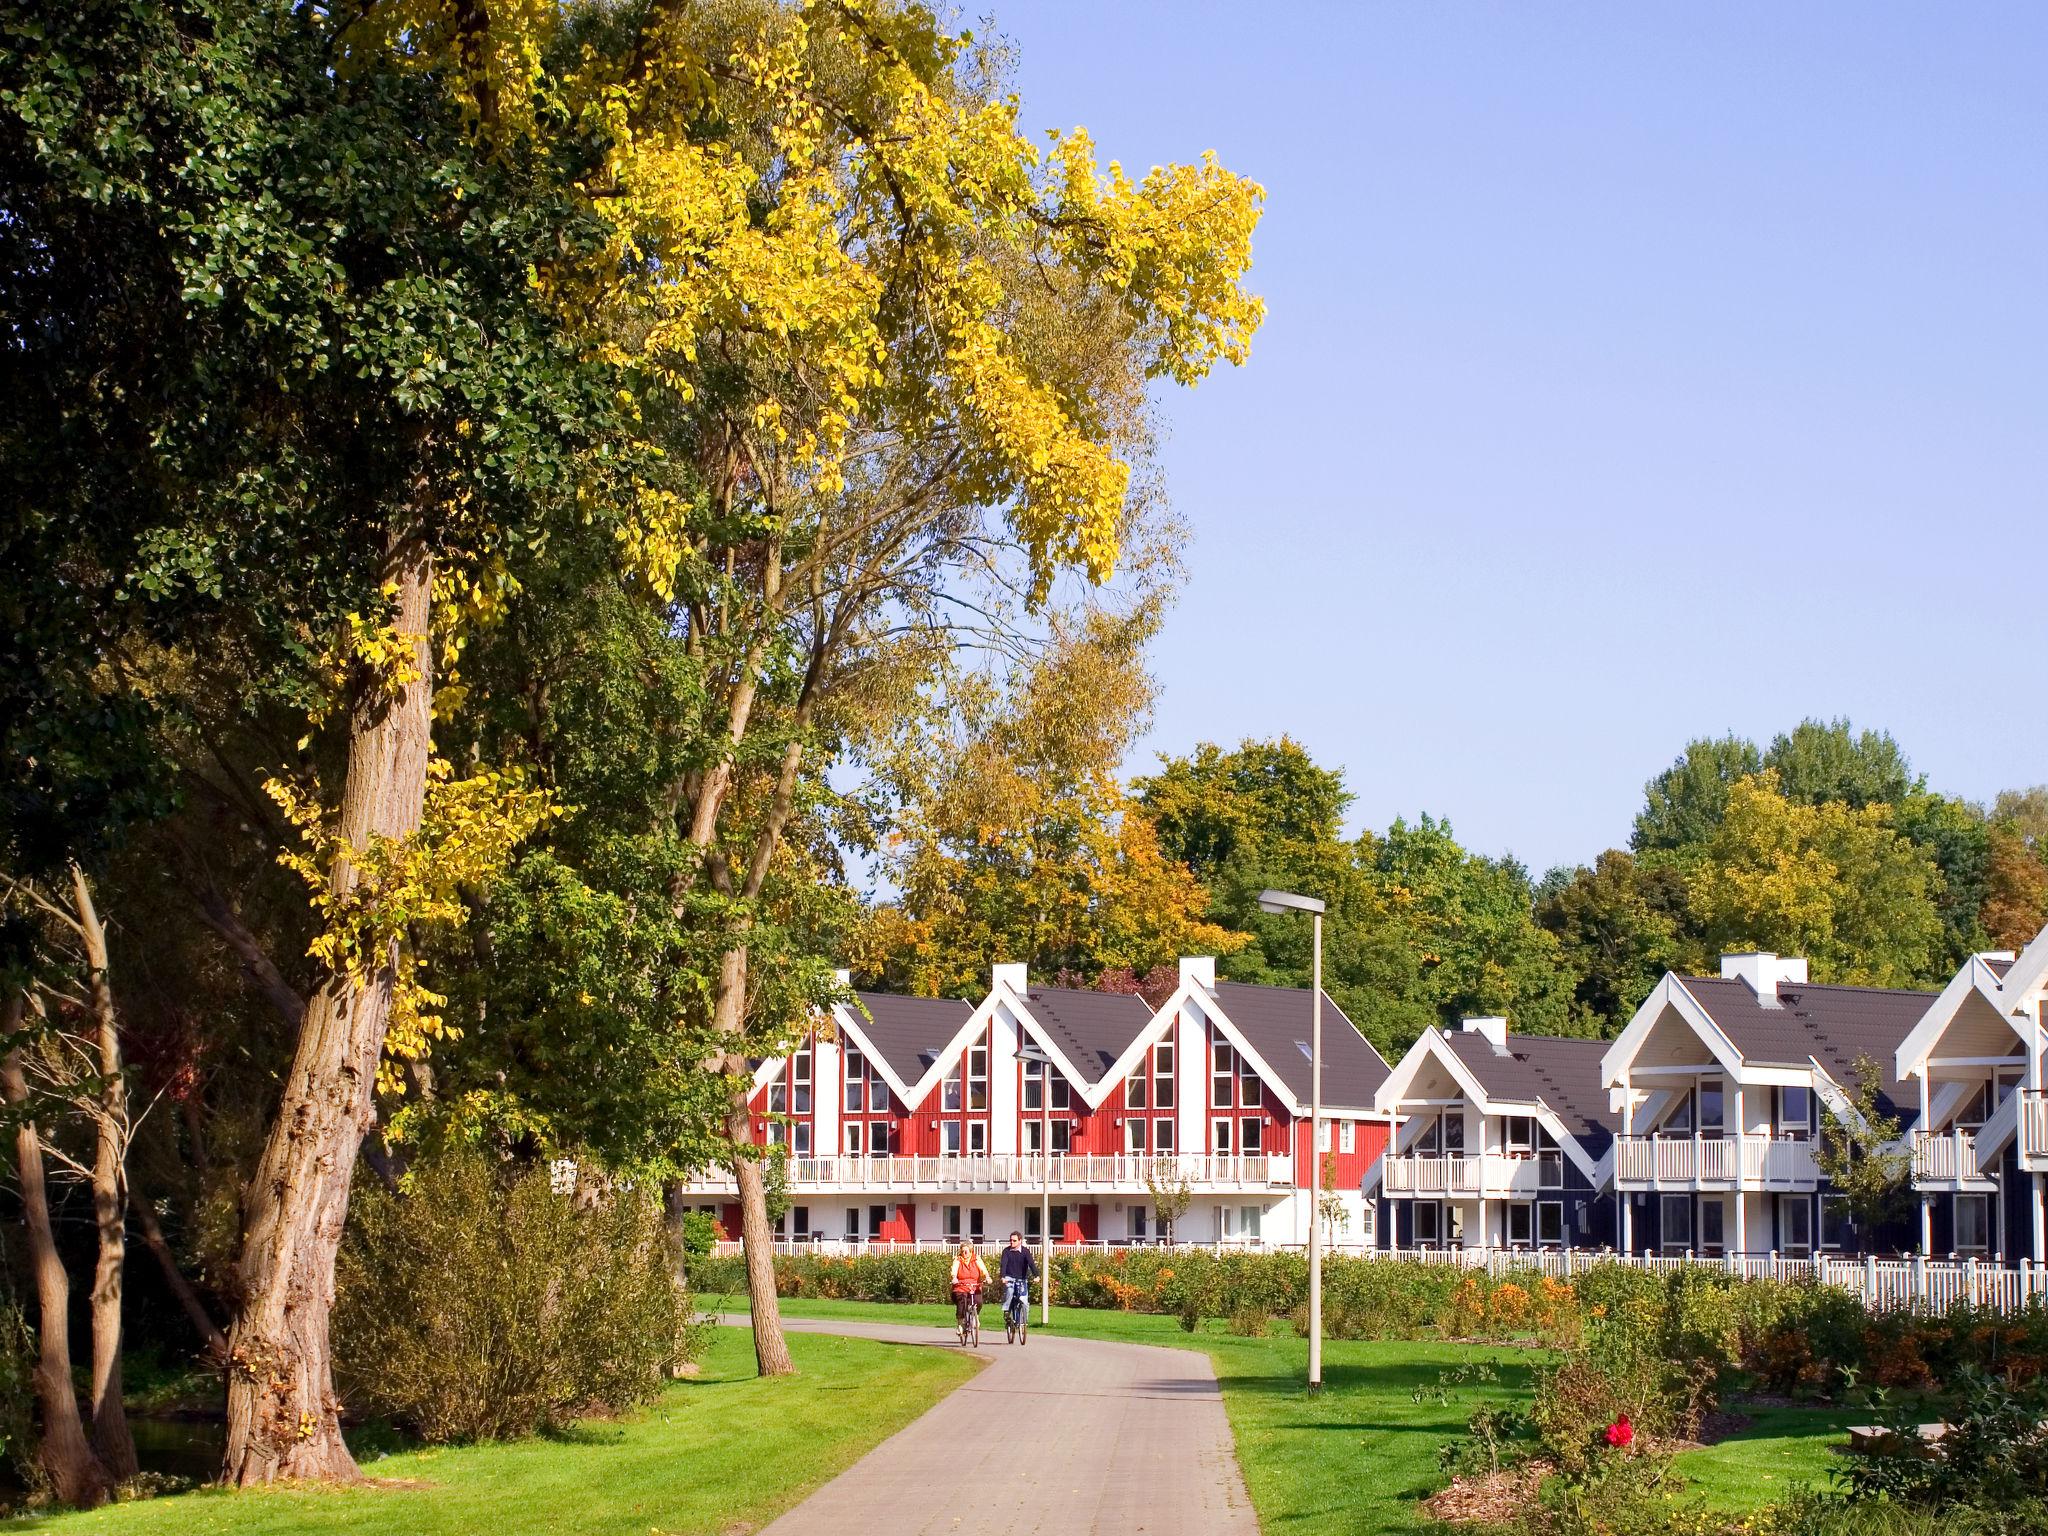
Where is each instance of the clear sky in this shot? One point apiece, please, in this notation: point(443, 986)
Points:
point(1633, 372)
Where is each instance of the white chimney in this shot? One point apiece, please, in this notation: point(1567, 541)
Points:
point(1198, 968)
point(1495, 1030)
point(1764, 972)
point(1995, 954)
point(1016, 976)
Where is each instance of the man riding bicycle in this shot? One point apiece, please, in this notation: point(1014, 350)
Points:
point(969, 1276)
point(1018, 1268)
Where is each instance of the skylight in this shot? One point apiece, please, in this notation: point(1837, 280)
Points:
point(1302, 1046)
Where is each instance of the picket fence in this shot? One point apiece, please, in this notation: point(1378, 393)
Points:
point(1912, 1283)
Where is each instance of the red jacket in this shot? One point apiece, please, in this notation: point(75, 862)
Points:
point(969, 1274)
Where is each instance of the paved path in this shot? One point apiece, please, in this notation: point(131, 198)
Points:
point(1061, 1435)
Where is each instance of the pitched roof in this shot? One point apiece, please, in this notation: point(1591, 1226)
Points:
point(1832, 1025)
point(910, 1031)
point(1563, 1072)
point(1998, 968)
point(1276, 1022)
point(1092, 1029)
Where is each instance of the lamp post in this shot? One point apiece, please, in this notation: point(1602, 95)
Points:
point(1288, 901)
point(1031, 1055)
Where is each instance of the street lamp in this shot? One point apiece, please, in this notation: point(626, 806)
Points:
point(1287, 901)
point(1031, 1054)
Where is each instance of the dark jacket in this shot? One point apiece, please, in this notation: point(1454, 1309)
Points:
point(1019, 1264)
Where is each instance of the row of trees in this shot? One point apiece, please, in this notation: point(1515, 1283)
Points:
point(474, 473)
point(1825, 844)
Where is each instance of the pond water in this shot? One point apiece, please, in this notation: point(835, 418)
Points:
point(179, 1447)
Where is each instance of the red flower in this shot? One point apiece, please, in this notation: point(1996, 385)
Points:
point(1621, 1433)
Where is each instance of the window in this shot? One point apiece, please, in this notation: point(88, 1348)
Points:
point(1034, 1085)
point(1713, 1106)
point(778, 1132)
point(1162, 1074)
point(1138, 1224)
point(1973, 1223)
point(1247, 1086)
point(1678, 1124)
point(799, 1221)
point(1347, 1136)
point(1521, 1225)
point(1062, 1093)
point(853, 1221)
point(1454, 1134)
point(1220, 1130)
point(1795, 1225)
point(977, 1137)
point(1162, 1137)
point(1134, 1087)
point(1222, 1069)
point(1676, 1211)
point(949, 1141)
point(949, 1092)
point(1428, 1224)
point(800, 1082)
point(1251, 1141)
point(877, 1215)
point(1135, 1135)
point(1323, 1141)
point(1550, 1223)
point(856, 1080)
point(1431, 1142)
point(1240, 1221)
point(778, 1098)
point(1971, 1116)
point(878, 1138)
point(1518, 1135)
point(1549, 1161)
point(949, 1222)
point(853, 1136)
point(1032, 1229)
point(1713, 1218)
point(1795, 1114)
point(800, 1139)
point(1837, 1231)
point(1063, 1136)
point(1032, 1129)
point(977, 1077)
point(975, 1225)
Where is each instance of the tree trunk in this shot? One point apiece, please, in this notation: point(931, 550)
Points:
point(110, 1436)
point(757, 1238)
point(174, 1279)
point(284, 1420)
point(77, 1476)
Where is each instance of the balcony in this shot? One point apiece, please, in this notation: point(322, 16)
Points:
point(1713, 1162)
point(1947, 1160)
point(2034, 1131)
point(1493, 1175)
point(1025, 1174)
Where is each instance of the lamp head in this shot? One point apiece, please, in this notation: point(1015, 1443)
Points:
point(1289, 901)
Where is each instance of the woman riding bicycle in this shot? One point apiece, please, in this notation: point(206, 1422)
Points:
point(969, 1276)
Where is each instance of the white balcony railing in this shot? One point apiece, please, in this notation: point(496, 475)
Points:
point(1027, 1172)
point(1748, 1162)
point(1945, 1157)
point(2034, 1129)
point(1485, 1175)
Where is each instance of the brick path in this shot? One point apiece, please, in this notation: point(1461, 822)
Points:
point(1062, 1435)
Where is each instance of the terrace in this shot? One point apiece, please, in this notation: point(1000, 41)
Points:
point(1027, 1173)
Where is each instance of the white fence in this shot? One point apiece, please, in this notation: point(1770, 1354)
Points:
point(1494, 1174)
point(1028, 1173)
point(1755, 1162)
point(1945, 1157)
point(1882, 1285)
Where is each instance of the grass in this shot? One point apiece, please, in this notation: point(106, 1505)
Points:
point(1358, 1458)
point(719, 1455)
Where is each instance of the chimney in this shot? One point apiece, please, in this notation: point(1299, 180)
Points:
point(1016, 976)
point(1495, 1030)
point(1199, 968)
point(1995, 954)
point(1764, 972)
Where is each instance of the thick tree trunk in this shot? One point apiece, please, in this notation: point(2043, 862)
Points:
point(174, 1279)
point(110, 1436)
point(284, 1420)
point(757, 1238)
point(77, 1476)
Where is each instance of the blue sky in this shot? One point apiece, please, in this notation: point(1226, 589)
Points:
point(1633, 372)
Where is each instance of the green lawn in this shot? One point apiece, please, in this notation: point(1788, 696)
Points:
point(721, 1454)
point(1356, 1460)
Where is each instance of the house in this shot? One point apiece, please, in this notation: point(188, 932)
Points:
point(914, 1119)
point(1504, 1141)
point(1721, 1084)
point(1974, 1066)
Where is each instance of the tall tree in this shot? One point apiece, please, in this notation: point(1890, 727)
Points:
point(1618, 927)
point(1684, 804)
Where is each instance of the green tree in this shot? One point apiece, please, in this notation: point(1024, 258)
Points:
point(1821, 761)
point(1683, 804)
point(1843, 887)
point(1619, 928)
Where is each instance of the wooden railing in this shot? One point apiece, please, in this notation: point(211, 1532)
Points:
point(1027, 1172)
point(1752, 1161)
point(2034, 1128)
point(1943, 1157)
point(1484, 1174)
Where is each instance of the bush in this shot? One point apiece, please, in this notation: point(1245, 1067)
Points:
point(1993, 1457)
point(482, 1304)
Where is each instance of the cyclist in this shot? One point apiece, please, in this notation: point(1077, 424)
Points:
point(1019, 1266)
point(969, 1276)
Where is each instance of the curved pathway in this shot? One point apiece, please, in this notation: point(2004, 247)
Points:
point(1060, 1435)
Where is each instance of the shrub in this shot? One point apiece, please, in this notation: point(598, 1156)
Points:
point(482, 1304)
point(1993, 1457)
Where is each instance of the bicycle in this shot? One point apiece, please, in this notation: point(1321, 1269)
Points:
point(1017, 1316)
point(970, 1321)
